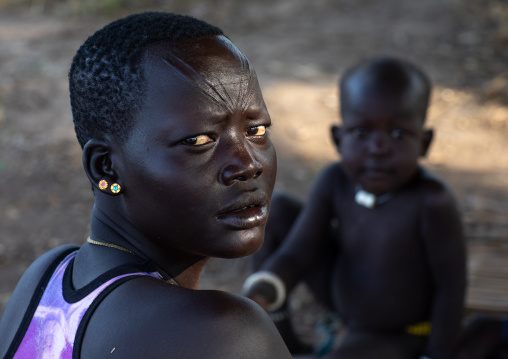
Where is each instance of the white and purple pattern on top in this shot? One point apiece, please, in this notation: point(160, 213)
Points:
point(54, 325)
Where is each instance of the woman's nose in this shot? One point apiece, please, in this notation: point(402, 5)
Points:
point(240, 164)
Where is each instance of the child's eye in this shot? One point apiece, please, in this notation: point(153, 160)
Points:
point(359, 132)
point(256, 131)
point(197, 140)
point(399, 134)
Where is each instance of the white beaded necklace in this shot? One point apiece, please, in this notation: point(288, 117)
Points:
point(370, 200)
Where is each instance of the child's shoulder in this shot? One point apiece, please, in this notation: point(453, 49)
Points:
point(330, 182)
point(333, 169)
point(435, 194)
point(333, 173)
point(167, 318)
point(431, 186)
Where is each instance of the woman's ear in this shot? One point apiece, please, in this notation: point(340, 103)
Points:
point(97, 165)
point(428, 135)
point(336, 136)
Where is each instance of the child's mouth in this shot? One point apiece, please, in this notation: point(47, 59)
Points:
point(377, 172)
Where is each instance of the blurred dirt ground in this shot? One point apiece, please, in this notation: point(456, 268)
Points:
point(299, 49)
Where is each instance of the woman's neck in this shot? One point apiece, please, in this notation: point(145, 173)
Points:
point(182, 268)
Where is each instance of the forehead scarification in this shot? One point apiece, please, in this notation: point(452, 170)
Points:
point(213, 87)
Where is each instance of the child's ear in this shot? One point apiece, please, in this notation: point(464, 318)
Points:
point(336, 136)
point(426, 141)
point(97, 164)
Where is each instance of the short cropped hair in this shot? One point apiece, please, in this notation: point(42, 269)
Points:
point(106, 82)
point(393, 74)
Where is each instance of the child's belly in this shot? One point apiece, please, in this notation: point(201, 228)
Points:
point(372, 295)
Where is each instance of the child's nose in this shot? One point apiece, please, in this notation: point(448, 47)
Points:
point(379, 144)
point(240, 165)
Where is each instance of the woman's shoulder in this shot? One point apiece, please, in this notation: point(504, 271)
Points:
point(166, 319)
point(42, 268)
point(31, 281)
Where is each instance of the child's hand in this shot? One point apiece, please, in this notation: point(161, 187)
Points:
point(262, 293)
point(266, 289)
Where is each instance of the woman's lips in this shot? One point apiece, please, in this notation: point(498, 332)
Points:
point(244, 217)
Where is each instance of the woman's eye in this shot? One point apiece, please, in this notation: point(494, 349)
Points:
point(399, 134)
point(256, 131)
point(197, 140)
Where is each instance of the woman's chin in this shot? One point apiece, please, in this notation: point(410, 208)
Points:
point(247, 244)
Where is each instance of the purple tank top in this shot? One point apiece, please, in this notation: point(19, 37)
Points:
point(57, 320)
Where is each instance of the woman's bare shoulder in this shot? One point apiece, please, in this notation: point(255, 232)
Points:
point(149, 318)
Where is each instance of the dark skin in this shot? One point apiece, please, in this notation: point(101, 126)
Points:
point(398, 264)
point(197, 174)
point(482, 338)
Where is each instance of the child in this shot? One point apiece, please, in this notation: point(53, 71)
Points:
point(393, 265)
point(173, 128)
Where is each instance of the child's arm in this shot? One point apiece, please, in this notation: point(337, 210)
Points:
point(442, 231)
point(300, 249)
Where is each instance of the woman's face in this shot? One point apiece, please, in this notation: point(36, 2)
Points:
point(198, 169)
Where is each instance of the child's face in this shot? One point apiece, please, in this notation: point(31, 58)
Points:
point(381, 139)
point(198, 169)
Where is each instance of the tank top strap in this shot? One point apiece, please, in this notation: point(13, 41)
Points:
point(55, 330)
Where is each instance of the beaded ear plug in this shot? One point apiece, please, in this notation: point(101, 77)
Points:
point(103, 184)
point(115, 188)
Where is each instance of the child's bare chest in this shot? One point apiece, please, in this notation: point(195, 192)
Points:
point(388, 235)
